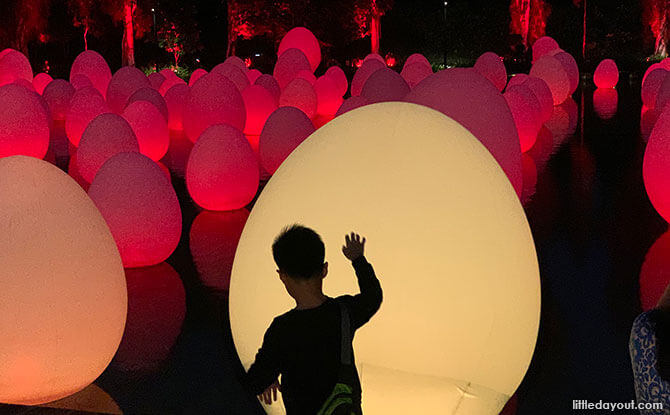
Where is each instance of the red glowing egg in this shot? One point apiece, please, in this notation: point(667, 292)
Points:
point(551, 71)
point(140, 207)
point(471, 100)
point(175, 98)
point(80, 81)
point(156, 80)
point(606, 74)
point(14, 65)
point(328, 96)
point(24, 83)
point(92, 65)
point(518, 79)
point(222, 171)
point(197, 74)
point(648, 117)
point(107, 135)
point(656, 168)
point(213, 99)
point(125, 82)
point(655, 272)
point(303, 39)
point(415, 73)
point(270, 83)
point(651, 68)
point(492, 68)
point(233, 73)
point(525, 110)
point(571, 68)
point(171, 79)
point(351, 103)
point(605, 102)
point(150, 128)
point(374, 57)
point(663, 95)
point(543, 46)
point(6, 51)
point(152, 96)
point(417, 58)
point(283, 132)
point(340, 78)
point(307, 76)
point(543, 95)
point(58, 95)
point(385, 85)
point(362, 75)
point(237, 62)
point(300, 94)
point(86, 104)
point(24, 123)
point(289, 64)
point(259, 104)
point(41, 81)
point(252, 75)
point(651, 86)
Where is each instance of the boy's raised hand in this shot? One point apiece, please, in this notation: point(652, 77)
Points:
point(270, 394)
point(353, 246)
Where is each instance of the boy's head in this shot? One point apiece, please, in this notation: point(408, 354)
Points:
point(299, 253)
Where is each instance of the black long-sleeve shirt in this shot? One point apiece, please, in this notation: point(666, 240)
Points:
point(304, 346)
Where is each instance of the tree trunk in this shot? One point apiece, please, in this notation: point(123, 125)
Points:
point(661, 46)
point(128, 35)
point(375, 32)
point(85, 35)
point(584, 32)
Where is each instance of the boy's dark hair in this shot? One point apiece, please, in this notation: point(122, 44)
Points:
point(299, 252)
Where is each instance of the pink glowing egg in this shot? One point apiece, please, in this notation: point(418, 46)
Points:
point(543, 46)
point(303, 39)
point(517, 79)
point(233, 73)
point(374, 57)
point(197, 74)
point(107, 135)
point(156, 80)
point(471, 100)
point(605, 102)
point(222, 171)
point(171, 79)
point(328, 96)
point(6, 51)
point(41, 81)
point(24, 123)
point(252, 75)
point(153, 97)
point(283, 132)
point(385, 85)
point(651, 68)
point(213, 99)
point(58, 95)
point(492, 68)
point(307, 76)
point(648, 117)
point(92, 65)
point(362, 75)
point(351, 103)
point(80, 81)
point(25, 84)
point(237, 62)
point(150, 128)
point(543, 95)
point(125, 82)
point(651, 86)
point(663, 95)
point(300, 94)
point(86, 104)
point(571, 68)
point(529, 170)
point(665, 63)
point(417, 58)
point(289, 64)
point(525, 110)
point(15, 65)
point(140, 207)
point(340, 78)
point(415, 73)
point(175, 98)
point(259, 104)
point(270, 83)
point(655, 272)
point(551, 71)
point(656, 168)
point(606, 74)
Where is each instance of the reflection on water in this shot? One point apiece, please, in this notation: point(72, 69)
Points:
point(605, 102)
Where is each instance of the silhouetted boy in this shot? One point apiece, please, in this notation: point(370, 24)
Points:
point(304, 344)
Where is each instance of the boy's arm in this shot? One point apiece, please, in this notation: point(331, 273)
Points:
point(364, 305)
point(265, 369)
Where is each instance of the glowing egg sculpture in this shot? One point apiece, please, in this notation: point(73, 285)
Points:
point(351, 103)
point(417, 58)
point(74, 290)
point(606, 74)
point(222, 171)
point(651, 86)
point(551, 71)
point(197, 74)
point(283, 132)
point(469, 98)
point(488, 235)
point(58, 95)
point(175, 98)
point(328, 96)
point(156, 80)
point(605, 102)
point(24, 123)
point(415, 73)
point(656, 168)
point(362, 75)
point(41, 81)
point(300, 94)
point(571, 69)
point(307, 76)
point(655, 272)
point(492, 68)
point(86, 104)
point(259, 104)
point(80, 81)
point(651, 68)
point(213, 99)
point(374, 57)
point(150, 128)
point(303, 39)
point(151, 96)
point(15, 65)
point(663, 95)
point(92, 65)
point(385, 85)
point(526, 113)
point(648, 117)
point(24, 83)
point(237, 62)
point(140, 207)
point(171, 79)
point(544, 46)
point(233, 73)
point(543, 95)
point(107, 135)
point(270, 83)
point(288, 65)
point(252, 75)
point(340, 78)
point(517, 79)
point(125, 82)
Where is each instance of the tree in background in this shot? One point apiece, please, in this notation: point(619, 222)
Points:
point(367, 16)
point(177, 30)
point(135, 18)
point(82, 16)
point(528, 19)
point(657, 16)
point(22, 22)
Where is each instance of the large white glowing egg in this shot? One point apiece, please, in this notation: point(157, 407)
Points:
point(459, 320)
